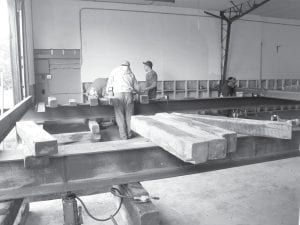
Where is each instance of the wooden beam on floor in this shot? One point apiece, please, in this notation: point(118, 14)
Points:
point(261, 128)
point(38, 141)
point(9, 118)
point(185, 123)
point(93, 167)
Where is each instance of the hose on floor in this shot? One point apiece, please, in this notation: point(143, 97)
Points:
point(115, 192)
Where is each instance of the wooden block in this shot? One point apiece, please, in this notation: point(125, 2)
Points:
point(199, 127)
point(72, 102)
point(37, 140)
point(138, 213)
point(94, 127)
point(144, 99)
point(52, 102)
point(41, 107)
point(217, 145)
point(85, 136)
point(262, 128)
point(93, 101)
point(183, 145)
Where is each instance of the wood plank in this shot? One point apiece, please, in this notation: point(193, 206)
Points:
point(183, 145)
point(9, 118)
point(217, 145)
point(188, 123)
point(85, 136)
point(260, 128)
point(94, 126)
point(38, 141)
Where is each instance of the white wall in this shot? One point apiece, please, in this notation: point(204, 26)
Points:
point(180, 46)
point(56, 25)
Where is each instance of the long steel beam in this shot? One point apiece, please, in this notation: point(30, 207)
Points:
point(102, 111)
point(9, 118)
point(91, 168)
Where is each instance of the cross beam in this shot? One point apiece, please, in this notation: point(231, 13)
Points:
point(94, 167)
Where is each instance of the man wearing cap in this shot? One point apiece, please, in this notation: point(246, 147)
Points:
point(122, 84)
point(229, 87)
point(151, 80)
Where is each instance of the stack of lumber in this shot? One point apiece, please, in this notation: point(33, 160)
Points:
point(197, 138)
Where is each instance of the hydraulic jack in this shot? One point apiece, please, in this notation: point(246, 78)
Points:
point(72, 213)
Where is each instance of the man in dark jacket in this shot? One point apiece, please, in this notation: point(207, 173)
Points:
point(151, 80)
point(229, 87)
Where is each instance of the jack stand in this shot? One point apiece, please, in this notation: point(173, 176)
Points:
point(72, 213)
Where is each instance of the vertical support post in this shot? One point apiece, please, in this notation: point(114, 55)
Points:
point(261, 65)
point(207, 89)
point(226, 38)
point(185, 89)
point(197, 89)
point(174, 88)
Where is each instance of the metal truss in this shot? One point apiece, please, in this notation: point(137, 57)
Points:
point(227, 17)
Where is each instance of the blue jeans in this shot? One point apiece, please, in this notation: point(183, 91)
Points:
point(124, 106)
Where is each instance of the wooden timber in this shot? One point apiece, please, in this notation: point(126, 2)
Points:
point(217, 145)
point(94, 167)
point(94, 126)
point(84, 136)
point(37, 140)
point(9, 118)
point(187, 147)
point(188, 123)
point(260, 128)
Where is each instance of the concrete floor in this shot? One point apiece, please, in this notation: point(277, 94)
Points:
point(260, 194)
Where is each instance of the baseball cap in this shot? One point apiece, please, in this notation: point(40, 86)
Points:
point(148, 63)
point(125, 63)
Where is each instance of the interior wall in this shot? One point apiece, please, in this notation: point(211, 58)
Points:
point(180, 46)
point(56, 25)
